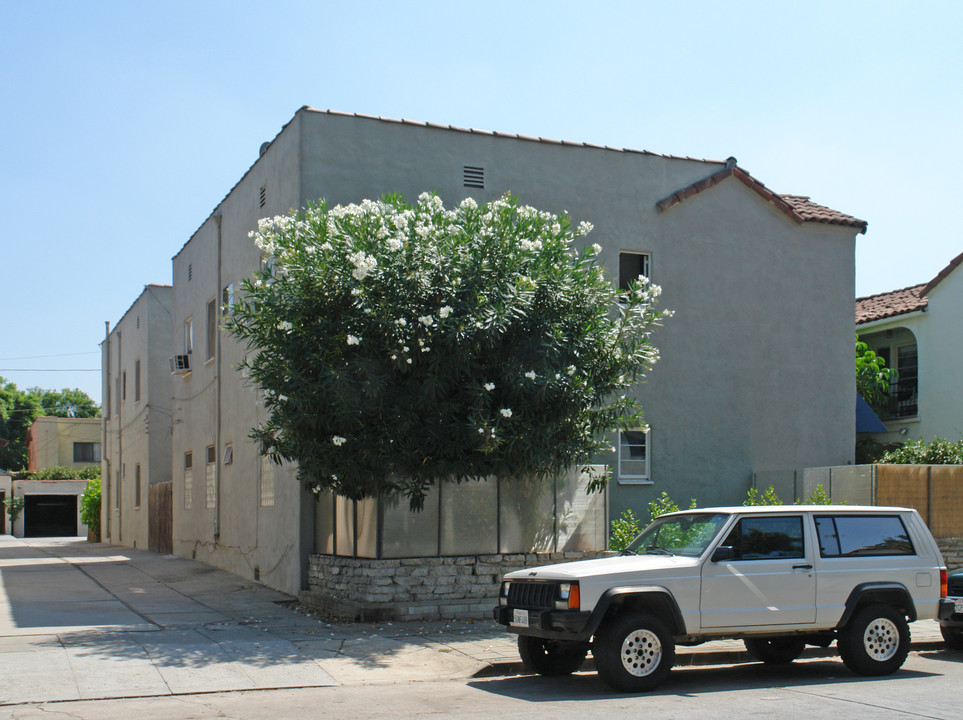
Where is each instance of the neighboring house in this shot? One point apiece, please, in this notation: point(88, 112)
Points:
point(918, 331)
point(747, 272)
point(137, 417)
point(63, 442)
point(52, 507)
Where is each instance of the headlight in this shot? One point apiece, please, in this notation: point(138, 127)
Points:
point(568, 597)
point(503, 594)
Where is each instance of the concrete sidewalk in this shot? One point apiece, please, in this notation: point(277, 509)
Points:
point(83, 620)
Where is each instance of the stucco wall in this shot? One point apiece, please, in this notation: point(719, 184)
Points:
point(51, 441)
point(214, 406)
point(137, 425)
point(736, 391)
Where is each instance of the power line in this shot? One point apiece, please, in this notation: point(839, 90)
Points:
point(37, 357)
point(49, 369)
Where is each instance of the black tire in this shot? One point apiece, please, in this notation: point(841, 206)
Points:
point(953, 637)
point(876, 641)
point(551, 657)
point(775, 651)
point(634, 652)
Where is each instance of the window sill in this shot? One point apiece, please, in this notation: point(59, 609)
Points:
point(635, 481)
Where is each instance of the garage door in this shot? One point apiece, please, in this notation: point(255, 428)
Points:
point(50, 516)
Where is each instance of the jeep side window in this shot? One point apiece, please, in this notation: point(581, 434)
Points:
point(854, 535)
point(767, 538)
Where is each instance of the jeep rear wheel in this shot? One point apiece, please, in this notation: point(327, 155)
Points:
point(775, 651)
point(876, 641)
point(551, 657)
point(634, 652)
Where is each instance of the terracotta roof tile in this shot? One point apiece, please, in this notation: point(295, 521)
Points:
point(890, 304)
point(798, 207)
point(811, 212)
point(954, 263)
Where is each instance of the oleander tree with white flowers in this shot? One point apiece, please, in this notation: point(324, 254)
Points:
point(402, 346)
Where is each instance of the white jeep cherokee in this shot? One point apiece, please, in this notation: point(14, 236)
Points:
point(779, 577)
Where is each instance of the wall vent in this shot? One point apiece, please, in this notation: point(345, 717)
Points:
point(262, 196)
point(474, 176)
point(190, 271)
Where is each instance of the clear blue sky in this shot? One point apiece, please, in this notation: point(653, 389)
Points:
point(124, 123)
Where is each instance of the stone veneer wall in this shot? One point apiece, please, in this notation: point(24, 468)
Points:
point(952, 549)
point(416, 588)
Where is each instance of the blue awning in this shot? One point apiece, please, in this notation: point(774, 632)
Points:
point(867, 420)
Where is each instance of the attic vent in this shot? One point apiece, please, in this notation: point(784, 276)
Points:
point(474, 177)
point(262, 196)
point(190, 271)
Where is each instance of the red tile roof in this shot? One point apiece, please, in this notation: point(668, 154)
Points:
point(798, 207)
point(900, 302)
point(890, 304)
point(954, 263)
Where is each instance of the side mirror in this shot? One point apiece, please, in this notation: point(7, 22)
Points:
point(723, 552)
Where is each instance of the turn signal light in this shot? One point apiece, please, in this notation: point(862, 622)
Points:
point(944, 584)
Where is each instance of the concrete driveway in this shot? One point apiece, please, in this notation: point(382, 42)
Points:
point(83, 620)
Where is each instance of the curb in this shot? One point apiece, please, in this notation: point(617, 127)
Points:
point(693, 659)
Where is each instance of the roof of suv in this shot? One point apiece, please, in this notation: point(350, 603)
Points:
point(755, 509)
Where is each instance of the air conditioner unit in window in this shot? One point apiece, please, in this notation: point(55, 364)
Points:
point(180, 364)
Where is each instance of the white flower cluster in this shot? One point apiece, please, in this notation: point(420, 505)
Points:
point(354, 340)
point(338, 440)
point(489, 386)
point(506, 412)
point(530, 375)
point(363, 264)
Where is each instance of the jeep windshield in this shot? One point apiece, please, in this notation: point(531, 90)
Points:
point(688, 535)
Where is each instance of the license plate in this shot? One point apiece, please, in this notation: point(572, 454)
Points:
point(520, 618)
point(958, 607)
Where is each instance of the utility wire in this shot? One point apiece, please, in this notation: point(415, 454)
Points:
point(37, 357)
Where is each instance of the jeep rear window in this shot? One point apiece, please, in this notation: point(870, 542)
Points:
point(862, 535)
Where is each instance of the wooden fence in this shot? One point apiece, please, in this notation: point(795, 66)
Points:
point(161, 524)
point(934, 491)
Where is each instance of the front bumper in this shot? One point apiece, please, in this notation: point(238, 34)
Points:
point(548, 624)
point(948, 616)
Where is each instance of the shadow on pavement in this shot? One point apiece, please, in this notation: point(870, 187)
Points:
point(688, 682)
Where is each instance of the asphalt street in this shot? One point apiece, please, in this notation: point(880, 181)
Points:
point(91, 630)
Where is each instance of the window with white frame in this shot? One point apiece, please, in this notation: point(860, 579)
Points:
point(634, 455)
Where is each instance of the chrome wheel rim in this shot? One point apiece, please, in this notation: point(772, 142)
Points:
point(881, 639)
point(641, 652)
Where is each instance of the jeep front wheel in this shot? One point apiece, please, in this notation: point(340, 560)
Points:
point(775, 651)
point(634, 652)
point(876, 641)
point(551, 657)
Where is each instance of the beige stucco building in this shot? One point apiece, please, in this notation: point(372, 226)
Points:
point(748, 272)
point(137, 417)
point(918, 330)
point(63, 442)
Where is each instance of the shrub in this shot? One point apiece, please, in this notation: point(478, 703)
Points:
point(90, 506)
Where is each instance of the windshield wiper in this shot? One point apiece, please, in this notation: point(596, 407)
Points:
point(626, 551)
point(656, 550)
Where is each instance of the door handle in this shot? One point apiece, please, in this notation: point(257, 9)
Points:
point(802, 567)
